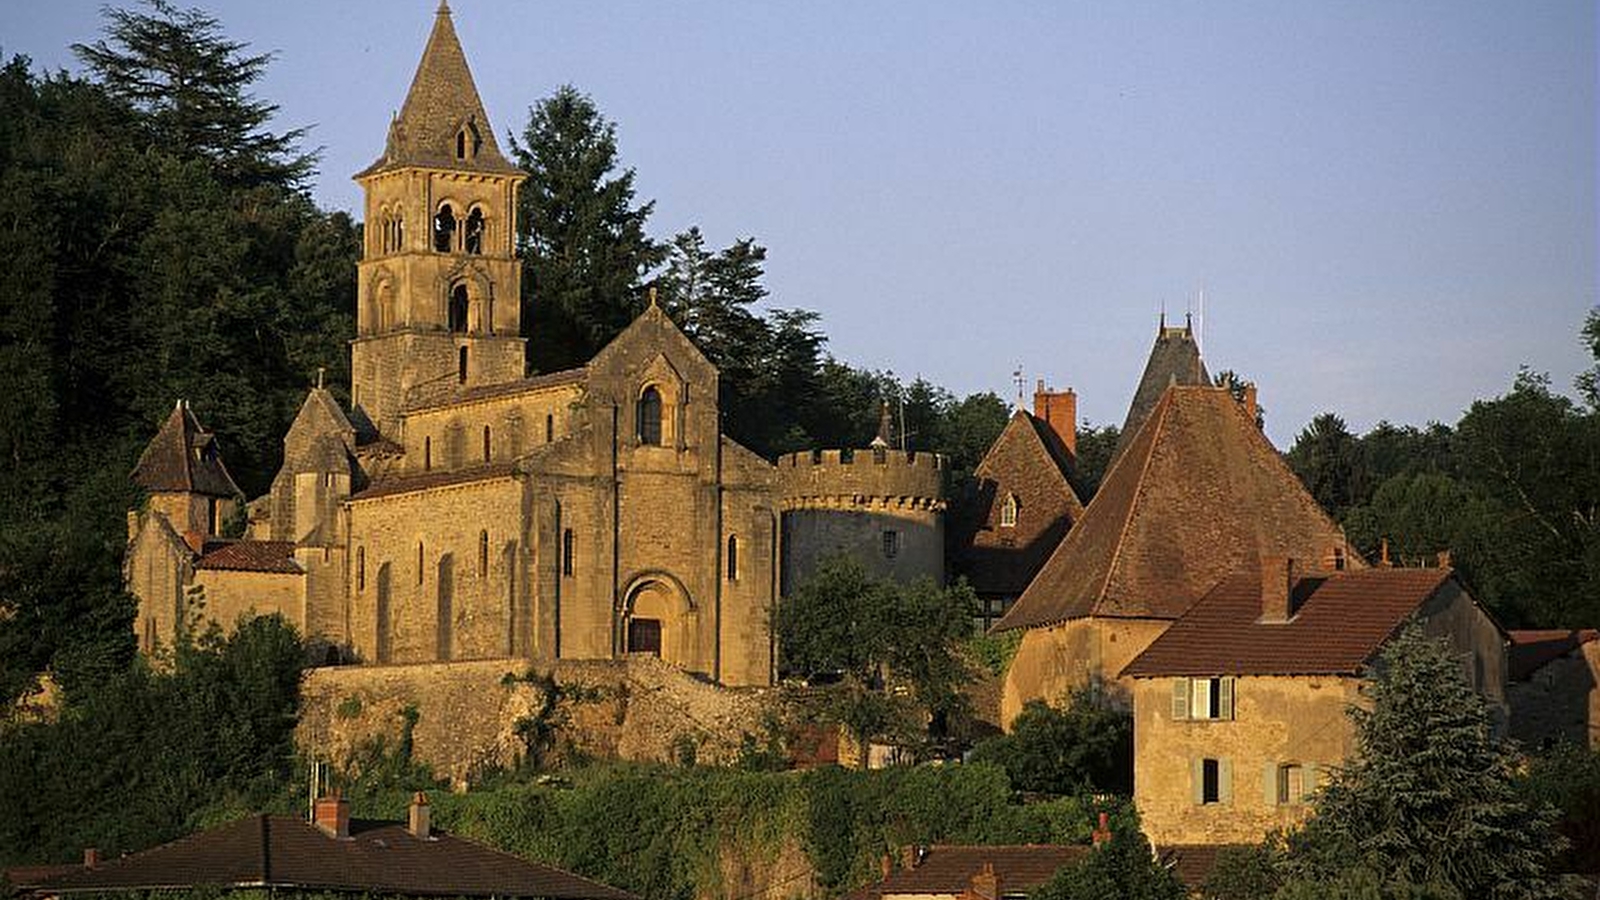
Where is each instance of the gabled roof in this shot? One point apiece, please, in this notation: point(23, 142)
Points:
point(1174, 359)
point(183, 458)
point(948, 869)
point(378, 858)
point(1197, 494)
point(249, 556)
point(1532, 650)
point(442, 99)
point(1029, 460)
point(1340, 621)
point(321, 438)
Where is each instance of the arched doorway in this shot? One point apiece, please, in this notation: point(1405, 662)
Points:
point(658, 620)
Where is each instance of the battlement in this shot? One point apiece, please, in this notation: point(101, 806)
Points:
point(863, 478)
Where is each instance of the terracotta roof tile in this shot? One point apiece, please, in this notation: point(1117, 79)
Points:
point(1197, 494)
point(183, 458)
point(404, 484)
point(249, 556)
point(1340, 621)
point(1192, 863)
point(1028, 460)
point(948, 869)
point(1533, 650)
point(442, 98)
point(379, 858)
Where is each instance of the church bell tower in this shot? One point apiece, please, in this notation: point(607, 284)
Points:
point(439, 283)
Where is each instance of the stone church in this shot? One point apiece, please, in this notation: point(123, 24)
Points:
point(462, 509)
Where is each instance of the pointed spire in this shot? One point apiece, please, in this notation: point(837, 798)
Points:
point(442, 123)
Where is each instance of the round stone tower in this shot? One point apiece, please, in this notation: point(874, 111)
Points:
point(884, 507)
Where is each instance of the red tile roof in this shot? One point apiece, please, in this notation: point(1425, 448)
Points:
point(403, 484)
point(378, 858)
point(1192, 863)
point(249, 556)
point(183, 458)
point(1533, 650)
point(1340, 621)
point(1199, 493)
point(1030, 461)
point(948, 869)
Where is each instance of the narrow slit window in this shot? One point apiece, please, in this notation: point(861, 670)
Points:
point(461, 365)
point(361, 568)
point(733, 558)
point(427, 454)
point(483, 553)
point(488, 445)
point(419, 562)
point(568, 546)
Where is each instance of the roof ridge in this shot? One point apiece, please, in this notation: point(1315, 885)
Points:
point(1160, 413)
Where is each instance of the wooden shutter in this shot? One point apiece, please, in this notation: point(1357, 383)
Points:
point(1197, 779)
point(1269, 784)
point(1225, 697)
point(1224, 780)
point(1309, 779)
point(1180, 699)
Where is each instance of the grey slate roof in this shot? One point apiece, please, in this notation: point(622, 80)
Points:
point(1175, 359)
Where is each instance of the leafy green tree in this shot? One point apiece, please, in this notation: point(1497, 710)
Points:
point(582, 238)
point(1588, 382)
point(1325, 457)
point(192, 88)
point(1247, 872)
point(1086, 747)
point(1097, 449)
point(894, 649)
point(968, 428)
point(1429, 797)
point(1123, 868)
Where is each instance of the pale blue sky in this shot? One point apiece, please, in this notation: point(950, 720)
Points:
point(1390, 206)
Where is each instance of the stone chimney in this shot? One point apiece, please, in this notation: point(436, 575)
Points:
point(1102, 831)
point(91, 857)
point(1251, 406)
point(1277, 588)
point(419, 821)
point(986, 884)
point(912, 855)
point(1060, 410)
point(332, 815)
point(886, 865)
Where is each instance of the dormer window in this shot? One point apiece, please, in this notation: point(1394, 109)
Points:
point(1008, 512)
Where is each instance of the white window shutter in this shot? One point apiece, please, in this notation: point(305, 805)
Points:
point(1180, 699)
point(1269, 784)
point(1225, 780)
point(1197, 780)
point(1225, 698)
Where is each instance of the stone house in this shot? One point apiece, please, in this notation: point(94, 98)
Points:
point(1555, 687)
point(1240, 707)
point(1020, 505)
point(1197, 494)
point(463, 509)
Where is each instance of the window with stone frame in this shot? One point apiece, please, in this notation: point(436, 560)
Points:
point(649, 416)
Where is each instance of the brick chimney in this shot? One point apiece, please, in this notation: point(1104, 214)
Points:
point(91, 857)
point(419, 821)
point(1102, 831)
point(332, 815)
point(986, 884)
point(1060, 410)
point(1277, 588)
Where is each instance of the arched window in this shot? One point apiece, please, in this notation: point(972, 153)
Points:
point(473, 238)
point(444, 229)
point(458, 309)
point(649, 409)
point(483, 553)
point(399, 229)
point(568, 548)
point(487, 445)
point(361, 568)
point(461, 144)
point(1008, 512)
point(733, 558)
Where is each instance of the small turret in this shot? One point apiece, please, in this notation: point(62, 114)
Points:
point(182, 471)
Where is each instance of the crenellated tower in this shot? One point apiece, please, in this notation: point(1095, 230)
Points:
point(439, 282)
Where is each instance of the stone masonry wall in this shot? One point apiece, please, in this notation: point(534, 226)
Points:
point(634, 709)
